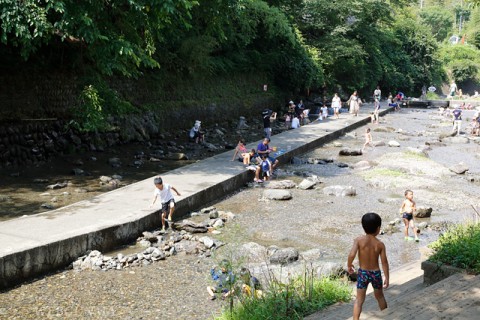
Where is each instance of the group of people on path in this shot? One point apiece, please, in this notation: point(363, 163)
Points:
point(258, 160)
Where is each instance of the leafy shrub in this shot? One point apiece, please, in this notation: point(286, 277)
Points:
point(432, 96)
point(459, 247)
point(299, 297)
point(89, 115)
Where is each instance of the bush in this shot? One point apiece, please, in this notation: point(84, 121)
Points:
point(299, 297)
point(432, 96)
point(459, 247)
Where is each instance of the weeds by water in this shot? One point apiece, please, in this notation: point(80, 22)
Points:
point(300, 296)
point(459, 247)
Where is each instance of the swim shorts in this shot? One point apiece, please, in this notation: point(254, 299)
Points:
point(364, 277)
point(407, 216)
point(167, 205)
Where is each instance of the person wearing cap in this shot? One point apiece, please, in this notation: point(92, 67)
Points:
point(268, 115)
point(195, 133)
point(457, 119)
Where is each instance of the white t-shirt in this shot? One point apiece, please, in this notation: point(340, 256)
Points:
point(336, 102)
point(295, 123)
point(324, 111)
point(165, 194)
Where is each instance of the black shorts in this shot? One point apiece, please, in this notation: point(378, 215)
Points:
point(167, 205)
point(407, 216)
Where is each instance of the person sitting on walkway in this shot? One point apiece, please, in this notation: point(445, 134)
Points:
point(264, 169)
point(295, 122)
point(224, 279)
point(242, 152)
point(166, 199)
point(264, 149)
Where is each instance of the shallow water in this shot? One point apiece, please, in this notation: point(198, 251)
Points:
point(314, 220)
point(175, 288)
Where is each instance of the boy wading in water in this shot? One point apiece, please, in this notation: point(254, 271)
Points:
point(407, 210)
point(166, 198)
point(368, 139)
point(369, 249)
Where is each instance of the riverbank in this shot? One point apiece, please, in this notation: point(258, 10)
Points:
point(48, 241)
point(310, 220)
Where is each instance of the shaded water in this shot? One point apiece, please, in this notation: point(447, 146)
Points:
point(24, 190)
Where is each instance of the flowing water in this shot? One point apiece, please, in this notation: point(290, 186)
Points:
point(175, 288)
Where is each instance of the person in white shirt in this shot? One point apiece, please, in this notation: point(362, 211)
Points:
point(336, 104)
point(166, 199)
point(295, 122)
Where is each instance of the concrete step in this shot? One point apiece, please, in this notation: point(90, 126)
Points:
point(407, 279)
point(456, 297)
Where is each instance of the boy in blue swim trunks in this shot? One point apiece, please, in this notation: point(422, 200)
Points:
point(369, 250)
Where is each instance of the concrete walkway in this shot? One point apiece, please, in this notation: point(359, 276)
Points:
point(456, 297)
point(34, 245)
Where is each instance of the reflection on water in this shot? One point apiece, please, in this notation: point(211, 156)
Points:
point(24, 190)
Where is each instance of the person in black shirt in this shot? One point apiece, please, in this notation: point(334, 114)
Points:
point(268, 115)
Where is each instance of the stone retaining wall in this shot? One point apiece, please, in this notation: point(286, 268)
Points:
point(434, 272)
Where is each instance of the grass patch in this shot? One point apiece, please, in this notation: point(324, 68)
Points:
point(415, 155)
point(383, 172)
point(459, 246)
point(301, 296)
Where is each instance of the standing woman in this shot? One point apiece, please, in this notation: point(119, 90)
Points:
point(336, 103)
point(353, 103)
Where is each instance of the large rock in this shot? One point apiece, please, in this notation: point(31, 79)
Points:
point(364, 164)
point(307, 184)
point(191, 226)
point(459, 168)
point(379, 143)
point(456, 140)
point(253, 252)
point(276, 194)
point(350, 152)
point(340, 191)
point(58, 185)
point(384, 129)
point(393, 143)
point(207, 241)
point(284, 256)
point(423, 212)
point(280, 184)
point(176, 156)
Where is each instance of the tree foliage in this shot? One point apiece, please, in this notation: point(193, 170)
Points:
point(115, 36)
point(315, 44)
point(440, 20)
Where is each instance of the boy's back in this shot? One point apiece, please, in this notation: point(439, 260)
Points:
point(369, 250)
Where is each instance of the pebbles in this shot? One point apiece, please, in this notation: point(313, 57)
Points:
point(158, 246)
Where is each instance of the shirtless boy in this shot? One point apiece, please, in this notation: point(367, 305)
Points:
point(407, 210)
point(368, 139)
point(369, 250)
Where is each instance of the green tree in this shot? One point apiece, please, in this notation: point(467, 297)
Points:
point(439, 20)
point(113, 36)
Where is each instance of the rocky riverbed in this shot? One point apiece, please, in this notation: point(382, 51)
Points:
point(70, 178)
point(316, 226)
